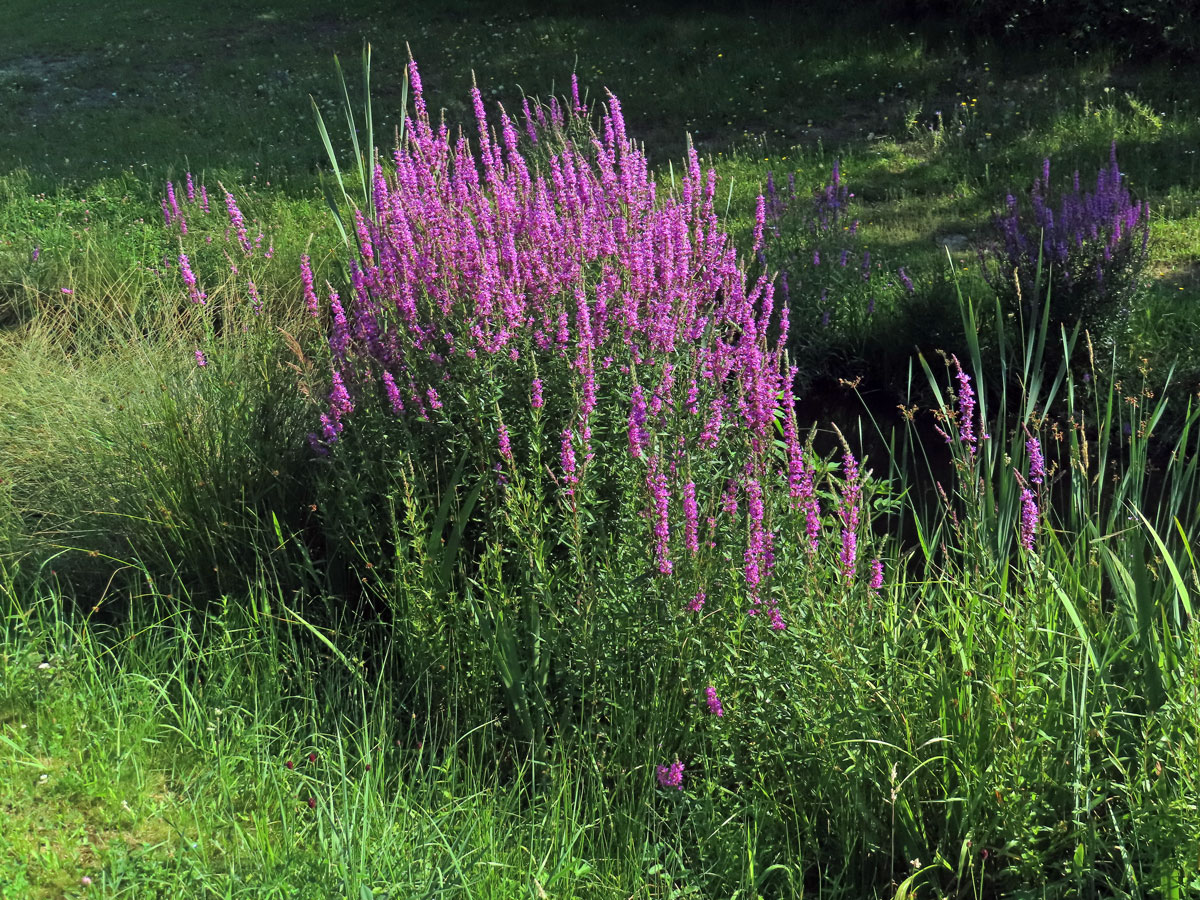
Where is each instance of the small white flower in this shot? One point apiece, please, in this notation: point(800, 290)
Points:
point(43, 665)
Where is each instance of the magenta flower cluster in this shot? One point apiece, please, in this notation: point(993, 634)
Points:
point(965, 415)
point(713, 701)
point(849, 513)
point(1092, 245)
point(876, 574)
point(191, 204)
point(1037, 462)
point(672, 775)
point(831, 269)
point(484, 271)
point(1029, 519)
point(1030, 513)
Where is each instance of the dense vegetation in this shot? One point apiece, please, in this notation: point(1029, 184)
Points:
point(485, 502)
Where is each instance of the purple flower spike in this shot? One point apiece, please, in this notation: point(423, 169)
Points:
point(189, 278)
point(849, 514)
point(1037, 463)
point(577, 107)
point(756, 541)
point(393, 392)
point(639, 440)
point(1029, 519)
point(656, 482)
point(174, 204)
point(691, 514)
point(671, 776)
point(567, 459)
point(238, 222)
point(876, 574)
point(966, 410)
point(505, 445)
point(713, 701)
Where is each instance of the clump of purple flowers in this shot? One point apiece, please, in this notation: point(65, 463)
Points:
point(825, 263)
point(672, 775)
point(527, 298)
point(831, 204)
point(1092, 246)
point(477, 268)
point(186, 210)
point(713, 701)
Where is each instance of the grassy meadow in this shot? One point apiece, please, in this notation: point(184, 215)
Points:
point(892, 599)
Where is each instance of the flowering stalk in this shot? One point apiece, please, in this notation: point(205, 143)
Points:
point(1029, 516)
point(189, 278)
point(876, 574)
point(849, 514)
point(1037, 462)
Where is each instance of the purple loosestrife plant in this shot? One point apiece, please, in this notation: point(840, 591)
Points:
point(463, 271)
point(189, 279)
point(966, 410)
point(238, 223)
point(1092, 246)
point(831, 280)
point(211, 249)
point(876, 574)
point(691, 516)
point(1037, 462)
point(529, 296)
